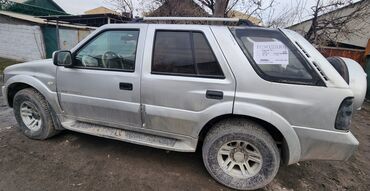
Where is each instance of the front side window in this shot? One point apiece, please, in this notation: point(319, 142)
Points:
point(273, 56)
point(113, 50)
point(184, 53)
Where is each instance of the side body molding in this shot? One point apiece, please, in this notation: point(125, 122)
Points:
point(50, 96)
point(291, 139)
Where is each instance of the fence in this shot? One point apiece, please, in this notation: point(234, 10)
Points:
point(353, 54)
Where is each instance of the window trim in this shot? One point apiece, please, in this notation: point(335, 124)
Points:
point(197, 75)
point(315, 81)
point(74, 54)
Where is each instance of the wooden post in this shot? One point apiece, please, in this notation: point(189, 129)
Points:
point(367, 51)
point(367, 67)
point(57, 34)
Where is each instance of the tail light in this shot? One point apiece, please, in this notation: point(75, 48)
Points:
point(344, 115)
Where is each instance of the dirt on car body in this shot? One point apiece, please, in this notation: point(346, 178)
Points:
point(74, 161)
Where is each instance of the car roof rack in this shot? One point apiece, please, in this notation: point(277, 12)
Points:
point(196, 20)
point(191, 19)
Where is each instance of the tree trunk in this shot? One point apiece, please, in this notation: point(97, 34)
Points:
point(312, 32)
point(220, 8)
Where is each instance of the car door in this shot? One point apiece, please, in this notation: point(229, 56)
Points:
point(185, 79)
point(103, 85)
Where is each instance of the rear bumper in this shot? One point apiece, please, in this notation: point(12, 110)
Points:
point(318, 144)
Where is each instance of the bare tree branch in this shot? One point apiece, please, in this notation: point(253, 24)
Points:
point(224, 8)
point(148, 6)
point(123, 6)
point(210, 4)
point(293, 13)
point(328, 25)
point(231, 6)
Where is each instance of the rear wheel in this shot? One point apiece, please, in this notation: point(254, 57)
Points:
point(33, 114)
point(240, 154)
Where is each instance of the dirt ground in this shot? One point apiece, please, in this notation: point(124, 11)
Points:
point(74, 161)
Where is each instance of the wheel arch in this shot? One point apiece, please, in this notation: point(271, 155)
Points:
point(19, 82)
point(290, 151)
point(13, 89)
point(16, 84)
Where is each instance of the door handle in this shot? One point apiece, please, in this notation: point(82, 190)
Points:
point(211, 94)
point(125, 86)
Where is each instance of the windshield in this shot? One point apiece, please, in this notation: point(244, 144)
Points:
point(272, 55)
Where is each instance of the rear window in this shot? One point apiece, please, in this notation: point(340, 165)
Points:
point(184, 53)
point(273, 56)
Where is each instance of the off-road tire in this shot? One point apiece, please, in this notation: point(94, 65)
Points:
point(240, 129)
point(32, 96)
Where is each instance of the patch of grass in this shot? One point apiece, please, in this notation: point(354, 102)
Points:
point(4, 62)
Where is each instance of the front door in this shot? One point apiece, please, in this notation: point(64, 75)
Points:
point(103, 86)
point(185, 80)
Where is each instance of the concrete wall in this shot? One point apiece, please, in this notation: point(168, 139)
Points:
point(20, 40)
point(357, 39)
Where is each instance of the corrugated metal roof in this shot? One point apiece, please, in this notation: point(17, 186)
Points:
point(100, 10)
point(39, 20)
point(46, 4)
point(23, 17)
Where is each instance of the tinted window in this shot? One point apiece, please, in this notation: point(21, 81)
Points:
point(110, 50)
point(172, 53)
point(205, 60)
point(184, 52)
point(273, 55)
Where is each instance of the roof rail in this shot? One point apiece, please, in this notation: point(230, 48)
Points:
point(191, 19)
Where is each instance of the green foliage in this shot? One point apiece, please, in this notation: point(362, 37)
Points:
point(4, 62)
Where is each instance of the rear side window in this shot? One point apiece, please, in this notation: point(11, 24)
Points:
point(273, 56)
point(184, 53)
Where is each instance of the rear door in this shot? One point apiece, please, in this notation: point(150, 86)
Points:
point(185, 79)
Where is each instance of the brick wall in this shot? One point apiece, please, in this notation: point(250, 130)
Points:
point(21, 42)
point(357, 55)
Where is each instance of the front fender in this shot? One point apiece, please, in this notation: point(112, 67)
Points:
point(265, 114)
point(50, 96)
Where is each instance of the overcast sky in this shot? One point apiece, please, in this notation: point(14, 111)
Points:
point(79, 6)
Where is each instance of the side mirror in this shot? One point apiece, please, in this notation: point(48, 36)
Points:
point(62, 58)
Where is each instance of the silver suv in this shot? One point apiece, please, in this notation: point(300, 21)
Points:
point(251, 98)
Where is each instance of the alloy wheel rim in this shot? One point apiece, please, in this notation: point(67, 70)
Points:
point(30, 116)
point(239, 159)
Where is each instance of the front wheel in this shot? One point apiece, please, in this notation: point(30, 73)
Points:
point(240, 154)
point(33, 114)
